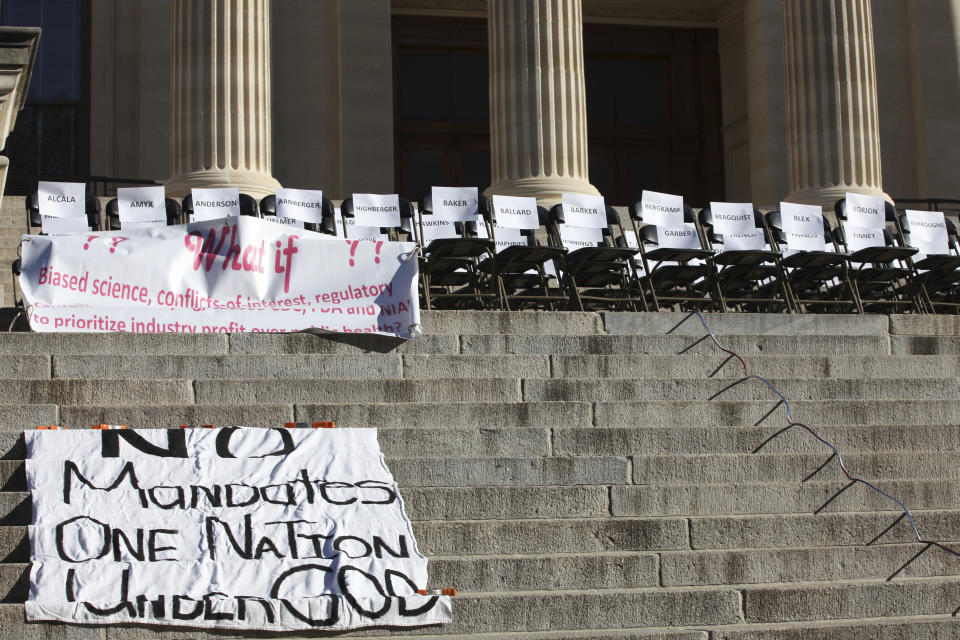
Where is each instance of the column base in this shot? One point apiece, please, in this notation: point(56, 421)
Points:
point(547, 190)
point(826, 197)
point(253, 183)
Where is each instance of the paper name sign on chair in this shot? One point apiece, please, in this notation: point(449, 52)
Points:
point(63, 207)
point(211, 204)
point(803, 226)
point(141, 207)
point(584, 210)
point(376, 210)
point(732, 217)
point(662, 209)
point(457, 204)
point(505, 237)
point(574, 238)
point(516, 212)
point(435, 228)
point(928, 232)
point(865, 211)
point(303, 205)
point(357, 231)
point(744, 240)
point(682, 237)
point(863, 238)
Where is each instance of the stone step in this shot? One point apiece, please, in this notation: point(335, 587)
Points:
point(675, 344)
point(650, 367)
point(725, 324)
point(791, 467)
point(820, 530)
point(766, 439)
point(827, 601)
point(401, 415)
point(833, 494)
point(758, 566)
point(925, 345)
point(509, 322)
point(391, 365)
point(773, 413)
point(496, 537)
point(593, 615)
point(943, 627)
point(611, 390)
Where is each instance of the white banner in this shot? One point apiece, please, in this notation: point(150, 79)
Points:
point(584, 210)
point(457, 204)
point(803, 226)
point(516, 212)
point(662, 209)
point(244, 528)
point(865, 211)
point(238, 274)
point(861, 238)
point(928, 232)
point(375, 210)
point(305, 205)
point(141, 207)
point(213, 204)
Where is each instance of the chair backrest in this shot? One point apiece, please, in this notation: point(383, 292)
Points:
point(268, 207)
point(91, 207)
point(112, 213)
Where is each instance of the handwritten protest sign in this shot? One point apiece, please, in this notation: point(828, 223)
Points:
point(272, 529)
point(237, 274)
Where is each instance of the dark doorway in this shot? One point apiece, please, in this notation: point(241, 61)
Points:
point(653, 108)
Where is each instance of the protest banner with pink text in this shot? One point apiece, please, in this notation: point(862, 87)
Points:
point(238, 274)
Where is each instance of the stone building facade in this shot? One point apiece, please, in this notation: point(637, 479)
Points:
point(744, 100)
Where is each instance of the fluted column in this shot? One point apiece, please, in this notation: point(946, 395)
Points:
point(538, 116)
point(833, 138)
point(220, 87)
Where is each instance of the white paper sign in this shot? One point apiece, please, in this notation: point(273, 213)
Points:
point(861, 238)
point(305, 205)
point(52, 224)
point(584, 210)
point(62, 199)
point(458, 204)
point(209, 277)
point(803, 226)
point(141, 207)
point(745, 240)
point(574, 238)
point(234, 528)
point(338, 223)
point(435, 228)
point(503, 237)
point(516, 212)
point(356, 231)
point(376, 210)
point(928, 232)
point(732, 217)
point(662, 209)
point(213, 204)
point(684, 237)
point(290, 222)
point(866, 212)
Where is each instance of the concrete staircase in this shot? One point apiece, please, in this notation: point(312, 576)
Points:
point(581, 475)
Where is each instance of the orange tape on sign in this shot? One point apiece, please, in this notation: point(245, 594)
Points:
point(324, 425)
point(290, 425)
point(437, 592)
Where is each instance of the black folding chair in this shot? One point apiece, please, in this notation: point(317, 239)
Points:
point(816, 280)
point(677, 277)
point(268, 208)
point(450, 274)
point(112, 213)
point(601, 276)
point(747, 279)
point(882, 275)
point(938, 275)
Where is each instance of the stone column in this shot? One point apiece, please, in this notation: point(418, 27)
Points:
point(538, 116)
point(220, 85)
point(833, 139)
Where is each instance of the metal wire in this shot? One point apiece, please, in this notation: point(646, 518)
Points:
point(836, 451)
